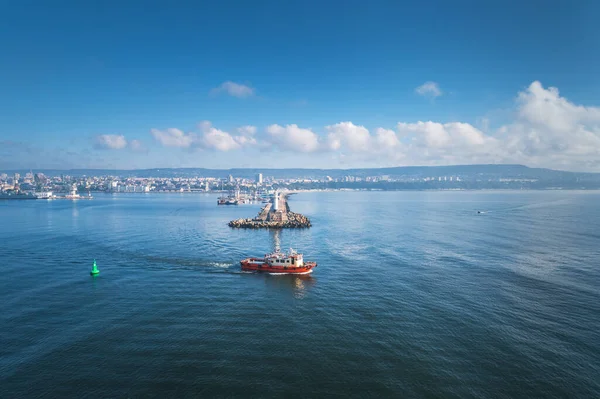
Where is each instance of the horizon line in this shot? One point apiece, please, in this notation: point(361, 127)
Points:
point(307, 169)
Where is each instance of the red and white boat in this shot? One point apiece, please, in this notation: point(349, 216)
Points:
point(279, 262)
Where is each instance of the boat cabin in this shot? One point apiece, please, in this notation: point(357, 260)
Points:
point(280, 259)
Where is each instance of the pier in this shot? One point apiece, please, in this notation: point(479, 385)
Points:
point(274, 215)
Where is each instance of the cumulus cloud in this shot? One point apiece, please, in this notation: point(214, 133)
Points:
point(247, 130)
point(547, 131)
point(208, 137)
point(437, 135)
point(173, 137)
point(110, 142)
point(343, 140)
point(546, 108)
point(234, 89)
point(348, 135)
point(216, 139)
point(246, 138)
point(386, 139)
point(429, 89)
point(422, 141)
point(446, 143)
point(552, 131)
point(137, 146)
point(293, 138)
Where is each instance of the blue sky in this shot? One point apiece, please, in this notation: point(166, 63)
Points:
point(322, 84)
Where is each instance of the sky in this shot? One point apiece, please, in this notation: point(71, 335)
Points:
point(309, 84)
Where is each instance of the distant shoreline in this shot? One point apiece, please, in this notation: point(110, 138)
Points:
point(359, 190)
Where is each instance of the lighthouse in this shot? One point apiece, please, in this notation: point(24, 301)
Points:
point(276, 202)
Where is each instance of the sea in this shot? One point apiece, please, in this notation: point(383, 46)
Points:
point(437, 294)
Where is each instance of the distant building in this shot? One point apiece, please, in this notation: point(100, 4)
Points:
point(40, 178)
point(259, 178)
point(17, 177)
point(230, 179)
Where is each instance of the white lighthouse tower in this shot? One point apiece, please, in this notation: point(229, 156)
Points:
point(276, 201)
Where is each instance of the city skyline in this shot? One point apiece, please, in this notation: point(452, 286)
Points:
point(320, 86)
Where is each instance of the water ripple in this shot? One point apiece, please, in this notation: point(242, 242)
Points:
point(415, 295)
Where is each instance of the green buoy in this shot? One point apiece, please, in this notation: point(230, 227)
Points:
point(95, 270)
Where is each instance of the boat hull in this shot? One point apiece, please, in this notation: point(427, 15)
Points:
point(258, 265)
point(17, 196)
point(228, 202)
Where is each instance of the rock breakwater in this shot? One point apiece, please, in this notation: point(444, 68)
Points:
point(294, 221)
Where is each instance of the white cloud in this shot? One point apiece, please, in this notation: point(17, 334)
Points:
point(420, 142)
point(344, 141)
point(547, 131)
point(433, 143)
point(552, 131)
point(234, 89)
point(545, 108)
point(208, 137)
point(219, 140)
point(438, 135)
point(247, 130)
point(349, 136)
point(173, 137)
point(137, 146)
point(246, 136)
point(110, 142)
point(293, 138)
point(429, 89)
point(216, 139)
point(245, 141)
point(386, 139)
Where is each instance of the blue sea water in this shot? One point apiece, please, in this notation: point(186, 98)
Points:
point(415, 295)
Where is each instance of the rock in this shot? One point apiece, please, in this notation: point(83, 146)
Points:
point(295, 221)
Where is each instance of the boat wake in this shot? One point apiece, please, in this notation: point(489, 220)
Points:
point(220, 264)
